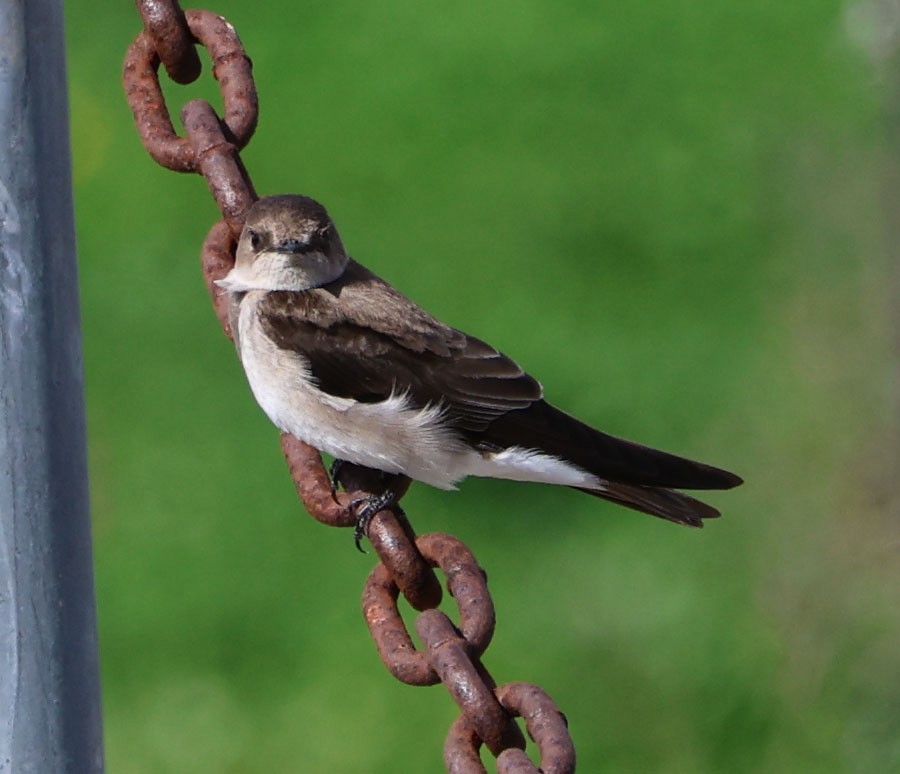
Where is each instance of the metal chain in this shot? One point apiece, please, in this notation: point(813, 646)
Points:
point(451, 653)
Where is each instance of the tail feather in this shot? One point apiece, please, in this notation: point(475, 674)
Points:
point(628, 473)
point(544, 427)
point(664, 503)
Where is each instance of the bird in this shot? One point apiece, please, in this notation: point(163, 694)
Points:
point(339, 358)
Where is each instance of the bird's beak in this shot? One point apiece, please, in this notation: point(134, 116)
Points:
point(235, 282)
point(293, 246)
point(226, 283)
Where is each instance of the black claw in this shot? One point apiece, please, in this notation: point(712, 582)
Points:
point(358, 536)
point(368, 507)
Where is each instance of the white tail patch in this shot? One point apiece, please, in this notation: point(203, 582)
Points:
point(518, 464)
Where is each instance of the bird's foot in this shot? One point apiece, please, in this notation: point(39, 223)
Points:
point(354, 477)
point(368, 507)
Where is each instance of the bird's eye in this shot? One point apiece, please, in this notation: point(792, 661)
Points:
point(323, 236)
point(255, 239)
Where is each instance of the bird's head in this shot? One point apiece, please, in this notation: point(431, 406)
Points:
point(288, 243)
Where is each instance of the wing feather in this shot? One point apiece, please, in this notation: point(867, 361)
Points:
point(354, 353)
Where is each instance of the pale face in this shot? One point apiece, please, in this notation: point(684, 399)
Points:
point(286, 246)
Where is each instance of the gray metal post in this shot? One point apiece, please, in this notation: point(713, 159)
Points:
point(49, 685)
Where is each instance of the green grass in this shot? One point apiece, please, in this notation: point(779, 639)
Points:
point(671, 213)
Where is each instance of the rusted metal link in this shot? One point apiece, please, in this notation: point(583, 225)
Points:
point(218, 161)
point(515, 761)
point(461, 749)
point(467, 681)
point(391, 536)
point(546, 725)
point(231, 68)
point(466, 583)
point(165, 23)
point(314, 486)
point(393, 539)
point(216, 259)
point(151, 115)
point(461, 753)
point(395, 646)
point(395, 543)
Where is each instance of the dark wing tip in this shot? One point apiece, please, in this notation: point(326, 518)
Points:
point(709, 477)
point(698, 475)
point(674, 472)
point(731, 479)
point(664, 503)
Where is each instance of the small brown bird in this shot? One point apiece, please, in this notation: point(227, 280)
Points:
point(341, 360)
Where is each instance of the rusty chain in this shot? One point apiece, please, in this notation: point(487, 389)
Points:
point(451, 654)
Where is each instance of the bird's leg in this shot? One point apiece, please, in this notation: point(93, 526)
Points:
point(368, 507)
point(334, 471)
point(390, 487)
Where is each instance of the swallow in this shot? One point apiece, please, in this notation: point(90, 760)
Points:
point(339, 358)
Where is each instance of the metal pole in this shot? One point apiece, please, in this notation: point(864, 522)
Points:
point(49, 684)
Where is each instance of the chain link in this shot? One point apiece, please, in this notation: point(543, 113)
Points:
point(231, 68)
point(450, 655)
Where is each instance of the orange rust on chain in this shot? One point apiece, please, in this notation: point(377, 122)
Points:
point(217, 258)
point(314, 486)
point(165, 24)
point(219, 162)
point(386, 626)
point(394, 542)
point(468, 682)
point(466, 583)
point(392, 536)
point(232, 69)
point(545, 723)
point(461, 749)
point(514, 761)
point(151, 115)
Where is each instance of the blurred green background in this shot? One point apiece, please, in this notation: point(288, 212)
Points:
point(676, 214)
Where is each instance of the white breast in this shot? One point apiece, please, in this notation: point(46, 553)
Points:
point(388, 435)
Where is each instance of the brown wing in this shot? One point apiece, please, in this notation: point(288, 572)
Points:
point(431, 363)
